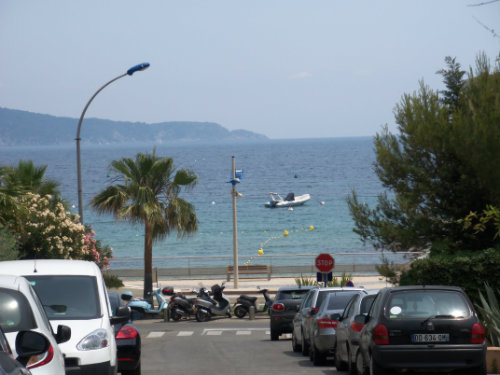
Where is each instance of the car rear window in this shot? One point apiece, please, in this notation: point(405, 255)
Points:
point(291, 294)
point(428, 303)
point(15, 311)
point(67, 297)
point(339, 300)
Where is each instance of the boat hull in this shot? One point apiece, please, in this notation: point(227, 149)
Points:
point(298, 201)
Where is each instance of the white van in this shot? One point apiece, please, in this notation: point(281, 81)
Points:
point(73, 293)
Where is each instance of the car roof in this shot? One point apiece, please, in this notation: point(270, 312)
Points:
point(289, 288)
point(13, 282)
point(49, 267)
point(424, 287)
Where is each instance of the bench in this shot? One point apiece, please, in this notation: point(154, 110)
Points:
point(249, 270)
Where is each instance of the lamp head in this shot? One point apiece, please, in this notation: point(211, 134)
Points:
point(138, 68)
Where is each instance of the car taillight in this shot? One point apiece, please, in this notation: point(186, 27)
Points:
point(126, 332)
point(477, 334)
point(278, 307)
point(357, 327)
point(313, 310)
point(327, 323)
point(381, 335)
point(40, 360)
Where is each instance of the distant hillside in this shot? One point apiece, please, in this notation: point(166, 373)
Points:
point(27, 128)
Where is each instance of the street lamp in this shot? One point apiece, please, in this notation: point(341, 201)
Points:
point(136, 68)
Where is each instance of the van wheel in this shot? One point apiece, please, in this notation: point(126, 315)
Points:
point(360, 366)
point(341, 365)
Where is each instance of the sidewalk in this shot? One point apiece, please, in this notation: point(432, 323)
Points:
point(245, 285)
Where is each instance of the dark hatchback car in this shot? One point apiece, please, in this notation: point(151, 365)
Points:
point(423, 328)
point(285, 306)
point(128, 342)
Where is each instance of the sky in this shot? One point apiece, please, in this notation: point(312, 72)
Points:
point(282, 68)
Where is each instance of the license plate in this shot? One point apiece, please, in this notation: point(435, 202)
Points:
point(430, 337)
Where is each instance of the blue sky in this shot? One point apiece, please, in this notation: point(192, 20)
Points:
point(283, 68)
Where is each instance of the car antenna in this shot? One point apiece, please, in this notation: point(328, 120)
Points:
point(34, 267)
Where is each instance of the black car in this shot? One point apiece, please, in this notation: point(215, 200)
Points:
point(28, 344)
point(285, 306)
point(128, 342)
point(423, 328)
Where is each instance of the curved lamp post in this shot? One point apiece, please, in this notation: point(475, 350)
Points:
point(136, 68)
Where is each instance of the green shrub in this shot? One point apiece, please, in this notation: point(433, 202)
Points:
point(112, 281)
point(306, 281)
point(468, 270)
point(490, 314)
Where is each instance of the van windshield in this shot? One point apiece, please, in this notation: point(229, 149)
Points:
point(67, 297)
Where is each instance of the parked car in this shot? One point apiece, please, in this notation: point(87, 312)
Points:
point(284, 308)
point(424, 328)
point(73, 293)
point(128, 341)
point(28, 344)
point(21, 310)
point(324, 324)
point(302, 321)
point(348, 331)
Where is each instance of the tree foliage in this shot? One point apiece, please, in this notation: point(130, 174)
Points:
point(443, 164)
point(149, 194)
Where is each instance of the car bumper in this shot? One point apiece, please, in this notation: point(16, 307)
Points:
point(426, 357)
point(281, 324)
point(103, 368)
point(325, 343)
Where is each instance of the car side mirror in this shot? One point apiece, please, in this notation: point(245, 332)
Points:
point(30, 343)
point(63, 334)
point(361, 319)
point(336, 316)
point(122, 315)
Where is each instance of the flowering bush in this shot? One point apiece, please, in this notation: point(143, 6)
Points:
point(95, 251)
point(51, 231)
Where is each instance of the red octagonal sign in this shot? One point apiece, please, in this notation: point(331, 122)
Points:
point(324, 262)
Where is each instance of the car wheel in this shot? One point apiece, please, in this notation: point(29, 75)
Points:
point(295, 345)
point(275, 335)
point(318, 358)
point(304, 345)
point(350, 364)
point(375, 368)
point(240, 311)
point(341, 365)
point(360, 365)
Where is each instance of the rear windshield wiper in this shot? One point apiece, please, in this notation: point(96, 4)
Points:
point(442, 316)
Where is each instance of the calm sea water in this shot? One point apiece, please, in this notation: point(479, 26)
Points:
point(327, 169)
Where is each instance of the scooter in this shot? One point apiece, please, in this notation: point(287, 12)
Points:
point(220, 305)
point(141, 308)
point(244, 302)
point(182, 307)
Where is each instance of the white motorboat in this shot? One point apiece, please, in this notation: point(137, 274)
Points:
point(289, 201)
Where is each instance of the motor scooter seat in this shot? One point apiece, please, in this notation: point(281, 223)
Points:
point(248, 298)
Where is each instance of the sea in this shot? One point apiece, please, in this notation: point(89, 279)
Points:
point(327, 169)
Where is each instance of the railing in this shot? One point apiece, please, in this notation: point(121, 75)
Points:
point(280, 265)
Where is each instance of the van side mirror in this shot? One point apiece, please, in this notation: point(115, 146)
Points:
point(30, 343)
point(122, 315)
point(63, 334)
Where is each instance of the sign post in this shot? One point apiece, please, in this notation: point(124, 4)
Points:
point(324, 263)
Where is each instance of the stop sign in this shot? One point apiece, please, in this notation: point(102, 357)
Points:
point(324, 262)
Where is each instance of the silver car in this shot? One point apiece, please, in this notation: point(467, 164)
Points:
point(348, 331)
point(324, 323)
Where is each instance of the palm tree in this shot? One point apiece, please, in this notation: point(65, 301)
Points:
point(149, 195)
point(31, 178)
point(10, 207)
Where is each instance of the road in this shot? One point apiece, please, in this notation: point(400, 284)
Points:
point(221, 346)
